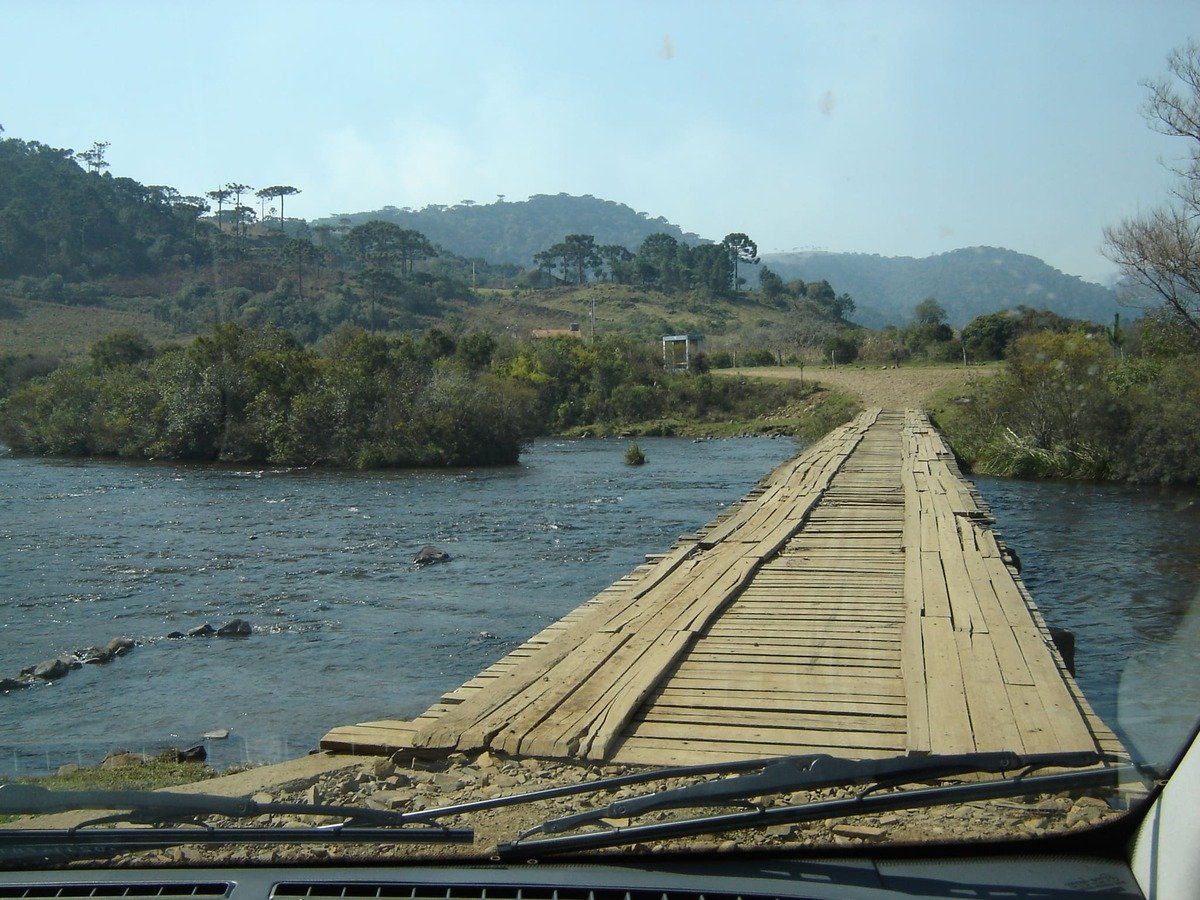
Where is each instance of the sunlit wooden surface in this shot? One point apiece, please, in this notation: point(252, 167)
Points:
point(856, 602)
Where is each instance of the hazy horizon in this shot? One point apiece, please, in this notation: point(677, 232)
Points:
point(865, 127)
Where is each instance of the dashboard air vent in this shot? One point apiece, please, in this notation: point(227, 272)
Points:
point(295, 890)
point(115, 890)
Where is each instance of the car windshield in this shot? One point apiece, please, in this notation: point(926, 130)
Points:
point(504, 430)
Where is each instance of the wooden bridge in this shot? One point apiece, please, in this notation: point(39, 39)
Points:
point(855, 603)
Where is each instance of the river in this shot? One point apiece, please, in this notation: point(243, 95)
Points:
point(345, 627)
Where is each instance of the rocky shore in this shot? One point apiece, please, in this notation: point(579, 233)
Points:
point(411, 784)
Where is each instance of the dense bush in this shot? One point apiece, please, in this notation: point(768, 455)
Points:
point(256, 395)
point(239, 394)
point(1068, 406)
point(621, 381)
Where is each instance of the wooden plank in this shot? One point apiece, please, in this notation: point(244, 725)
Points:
point(993, 723)
point(652, 751)
point(845, 722)
point(507, 708)
point(933, 584)
point(732, 698)
point(1069, 727)
point(950, 721)
point(765, 740)
point(912, 659)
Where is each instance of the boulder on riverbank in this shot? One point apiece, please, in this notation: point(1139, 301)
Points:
point(430, 555)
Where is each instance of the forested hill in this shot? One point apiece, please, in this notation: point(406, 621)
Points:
point(968, 283)
point(512, 232)
point(58, 219)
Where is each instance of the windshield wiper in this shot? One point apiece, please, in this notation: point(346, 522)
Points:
point(161, 808)
point(787, 774)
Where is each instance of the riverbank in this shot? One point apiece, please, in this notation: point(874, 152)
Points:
point(806, 419)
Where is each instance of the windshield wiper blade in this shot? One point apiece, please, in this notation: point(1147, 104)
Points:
point(164, 807)
point(797, 773)
point(864, 803)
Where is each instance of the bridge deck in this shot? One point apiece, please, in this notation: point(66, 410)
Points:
point(855, 603)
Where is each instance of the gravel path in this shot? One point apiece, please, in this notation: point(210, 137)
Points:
point(903, 387)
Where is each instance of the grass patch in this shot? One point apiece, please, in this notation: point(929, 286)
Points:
point(55, 329)
point(808, 420)
point(149, 775)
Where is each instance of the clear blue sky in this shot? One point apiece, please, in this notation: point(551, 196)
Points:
point(885, 127)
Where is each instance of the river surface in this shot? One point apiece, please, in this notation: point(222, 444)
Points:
point(346, 629)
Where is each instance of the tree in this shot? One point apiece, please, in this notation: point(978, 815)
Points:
point(617, 261)
point(930, 312)
point(300, 251)
point(988, 336)
point(126, 347)
point(659, 261)
point(1160, 250)
point(94, 158)
point(713, 268)
point(378, 282)
point(376, 243)
point(280, 191)
point(220, 195)
point(412, 245)
point(841, 348)
point(770, 284)
point(237, 190)
point(740, 249)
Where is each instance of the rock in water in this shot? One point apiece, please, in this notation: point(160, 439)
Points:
point(95, 656)
point(11, 684)
point(119, 646)
point(217, 734)
point(204, 630)
point(192, 754)
point(49, 669)
point(430, 555)
point(234, 628)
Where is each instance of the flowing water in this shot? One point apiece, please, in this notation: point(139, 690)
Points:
point(347, 629)
point(1119, 566)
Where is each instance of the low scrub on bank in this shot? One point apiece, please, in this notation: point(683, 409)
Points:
point(367, 401)
point(243, 395)
point(1067, 406)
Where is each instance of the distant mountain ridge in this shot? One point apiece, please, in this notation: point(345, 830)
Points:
point(967, 282)
point(513, 231)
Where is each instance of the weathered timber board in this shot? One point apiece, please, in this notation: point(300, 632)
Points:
point(855, 602)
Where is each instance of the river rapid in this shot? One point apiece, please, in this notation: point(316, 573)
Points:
point(346, 628)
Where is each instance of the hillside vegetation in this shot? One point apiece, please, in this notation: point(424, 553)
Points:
point(967, 282)
point(515, 231)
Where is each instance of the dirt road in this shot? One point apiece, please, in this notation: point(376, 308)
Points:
point(907, 386)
